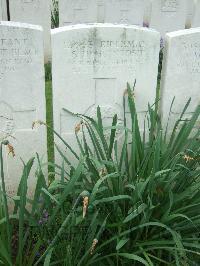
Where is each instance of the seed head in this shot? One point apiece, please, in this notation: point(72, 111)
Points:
point(94, 243)
point(85, 205)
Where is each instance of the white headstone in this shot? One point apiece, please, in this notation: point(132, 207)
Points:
point(22, 96)
point(92, 11)
point(196, 17)
point(190, 13)
point(181, 73)
point(79, 11)
point(3, 10)
point(97, 62)
point(168, 15)
point(124, 11)
point(147, 12)
point(37, 12)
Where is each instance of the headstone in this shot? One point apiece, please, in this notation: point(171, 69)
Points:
point(79, 11)
point(190, 13)
point(125, 11)
point(196, 17)
point(147, 12)
point(168, 15)
point(97, 62)
point(101, 11)
point(37, 12)
point(3, 10)
point(22, 97)
point(181, 74)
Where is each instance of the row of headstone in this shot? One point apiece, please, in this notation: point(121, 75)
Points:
point(91, 65)
point(162, 15)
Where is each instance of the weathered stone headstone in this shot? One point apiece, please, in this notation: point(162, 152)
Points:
point(125, 12)
point(190, 13)
point(168, 15)
point(181, 73)
point(93, 11)
point(3, 10)
point(147, 12)
point(97, 62)
point(37, 12)
point(22, 97)
point(79, 11)
point(196, 17)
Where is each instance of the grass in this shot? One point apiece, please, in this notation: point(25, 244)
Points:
point(127, 202)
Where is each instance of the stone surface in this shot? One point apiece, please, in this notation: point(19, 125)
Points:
point(196, 17)
point(181, 73)
point(97, 62)
point(125, 11)
point(92, 11)
point(190, 12)
point(22, 97)
point(168, 15)
point(37, 12)
point(147, 12)
point(3, 10)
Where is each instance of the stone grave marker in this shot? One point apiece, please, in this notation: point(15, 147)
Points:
point(147, 12)
point(3, 10)
point(168, 15)
point(22, 97)
point(101, 11)
point(125, 12)
point(37, 12)
point(196, 17)
point(190, 13)
point(181, 73)
point(97, 62)
point(79, 11)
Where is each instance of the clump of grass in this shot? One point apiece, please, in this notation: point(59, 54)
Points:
point(132, 200)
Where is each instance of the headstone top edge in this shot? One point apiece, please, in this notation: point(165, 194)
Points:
point(20, 25)
point(102, 25)
point(184, 32)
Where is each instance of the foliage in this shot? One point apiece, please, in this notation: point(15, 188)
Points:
point(130, 198)
point(55, 15)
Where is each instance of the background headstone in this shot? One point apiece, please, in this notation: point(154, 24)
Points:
point(190, 12)
point(22, 97)
point(101, 11)
point(37, 12)
point(168, 15)
point(181, 73)
point(124, 12)
point(147, 12)
point(79, 11)
point(3, 10)
point(196, 17)
point(97, 62)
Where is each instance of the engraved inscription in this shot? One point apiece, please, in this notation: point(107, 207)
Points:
point(169, 5)
point(15, 52)
point(189, 61)
point(105, 53)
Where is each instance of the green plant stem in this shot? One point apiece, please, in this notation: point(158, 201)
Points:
point(5, 199)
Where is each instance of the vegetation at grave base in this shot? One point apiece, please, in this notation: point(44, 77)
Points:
point(130, 200)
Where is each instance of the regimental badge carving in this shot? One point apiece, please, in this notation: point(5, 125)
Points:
point(6, 121)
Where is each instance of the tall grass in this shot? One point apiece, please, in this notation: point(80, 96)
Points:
point(132, 200)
